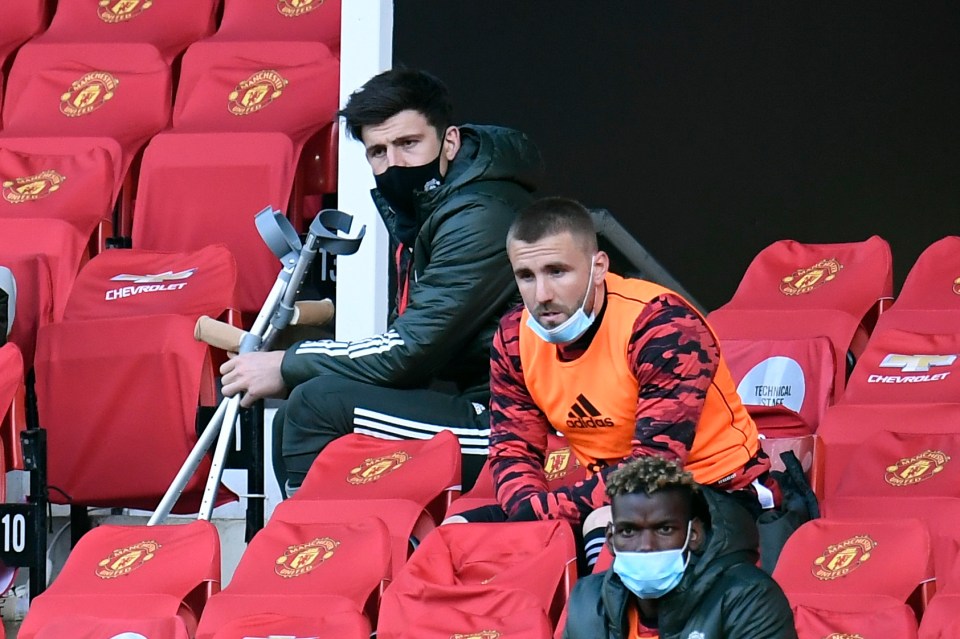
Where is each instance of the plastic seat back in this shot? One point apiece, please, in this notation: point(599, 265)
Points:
point(294, 562)
point(116, 91)
point(327, 622)
point(941, 620)
point(886, 618)
point(481, 569)
point(170, 26)
point(841, 564)
point(134, 572)
point(125, 350)
point(293, 20)
point(286, 87)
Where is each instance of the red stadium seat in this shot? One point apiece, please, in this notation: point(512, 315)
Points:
point(406, 521)
point(11, 409)
point(941, 619)
point(289, 569)
point(240, 174)
point(170, 25)
point(799, 309)
point(560, 467)
point(499, 623)
point(125, 350)
point(291, 20)
point(360, 467)
point(902, 367)
point(886, 619)
point(82, 627)
point(328, 621)
point(933, 283)
point(44, 256)
point(246, 87)
point(869, 448)
point(135, 573)
point(121, 92)
point(841, 565)
point(488, 571)
point(22, 19)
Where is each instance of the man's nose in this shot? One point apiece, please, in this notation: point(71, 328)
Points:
point(646, 542)
point(394, 157)
point(544, 291)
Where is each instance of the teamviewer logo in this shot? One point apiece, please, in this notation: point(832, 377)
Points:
point(583, 414)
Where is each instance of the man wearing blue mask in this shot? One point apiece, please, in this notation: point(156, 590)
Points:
point(447, 195)
point(682, 566)
point(622, 368)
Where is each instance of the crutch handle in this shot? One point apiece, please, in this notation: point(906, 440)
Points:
point(218, 334)
point(312, 312)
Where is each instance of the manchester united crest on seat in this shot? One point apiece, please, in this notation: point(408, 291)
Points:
point(256, 92)
point(88, 94)
point(302, 558)
point(123, 561)
point(374, 469)
point(843, 558)
point(114, 11)
point(913, 470)
point(805, 280)
point(31, 187)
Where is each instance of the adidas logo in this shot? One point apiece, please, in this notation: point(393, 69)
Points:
point(583, 414)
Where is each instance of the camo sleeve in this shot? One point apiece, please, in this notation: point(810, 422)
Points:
point(674, 357)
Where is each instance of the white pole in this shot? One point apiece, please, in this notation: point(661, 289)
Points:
point(366, 49)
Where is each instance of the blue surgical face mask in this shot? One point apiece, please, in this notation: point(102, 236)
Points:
point(651, 575)
point(574, 326)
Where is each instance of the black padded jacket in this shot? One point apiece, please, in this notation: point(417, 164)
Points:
point(460, 280)
point(723, 595)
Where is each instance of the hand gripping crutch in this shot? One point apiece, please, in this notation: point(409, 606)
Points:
point(278, 311)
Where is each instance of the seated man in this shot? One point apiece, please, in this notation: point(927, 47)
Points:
point(623, 368)
point(682, 566)
point(447, 195)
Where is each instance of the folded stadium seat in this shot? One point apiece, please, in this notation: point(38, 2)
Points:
point(841, 565)
point(197, 189)
point(133, 572)
point(125, 350)
point(44, 256)
point(170, 25)
point(561, 468)
point(326, 621)
point(304, 20)
point(886, 619)
point(490, 572)
point(119, 93)
point(361, 467)
point(290, 569)
point(905, 367)
point(798, 310)
point(941, 619)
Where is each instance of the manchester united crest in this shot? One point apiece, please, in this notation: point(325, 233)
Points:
point(32, 187)
point(294, 8)
point(956, 286)
point(302, 558)
point(558, 463)
point(483, 634)
point(114, 11)
point(841, 559)
point(123, 561)
point(842, 635)
point(256, 92)
point(375, 468)
point(913, 470)
point(88, 94)
point(804, 280)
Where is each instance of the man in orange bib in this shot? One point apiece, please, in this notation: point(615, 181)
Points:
point(623, 368)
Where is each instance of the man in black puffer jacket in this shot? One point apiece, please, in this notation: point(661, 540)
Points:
point(683, 567)
point(447, 195)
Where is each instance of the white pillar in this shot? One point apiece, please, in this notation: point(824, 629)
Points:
point(366, 49)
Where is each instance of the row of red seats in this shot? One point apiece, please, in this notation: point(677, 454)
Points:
point(335, 558)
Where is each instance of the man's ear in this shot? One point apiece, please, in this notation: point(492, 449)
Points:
point(452, 143)
point(697, 534)
point(609, 539)
point(601, 268)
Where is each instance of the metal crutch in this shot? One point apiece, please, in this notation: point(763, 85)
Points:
point(278, 311)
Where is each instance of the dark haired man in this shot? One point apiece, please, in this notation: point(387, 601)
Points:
point(682, 566)
point(623, 368)
point(448, 195)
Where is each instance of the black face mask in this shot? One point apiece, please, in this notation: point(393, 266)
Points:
point(398, 184)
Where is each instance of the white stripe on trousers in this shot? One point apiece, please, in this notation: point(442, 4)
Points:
point(473, 441)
